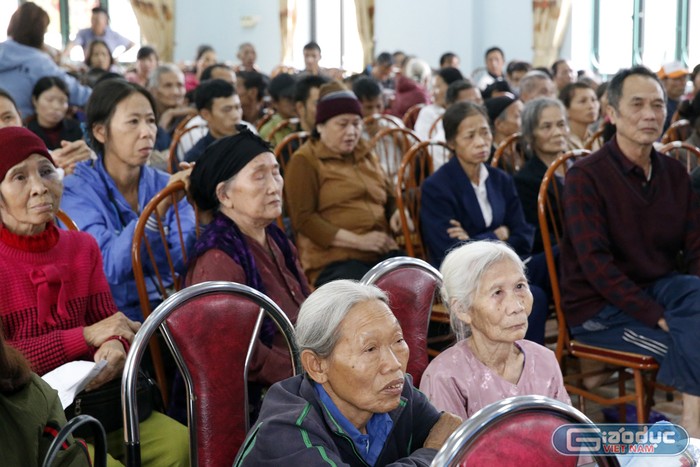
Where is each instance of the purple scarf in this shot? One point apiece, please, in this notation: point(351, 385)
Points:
point(223, 234)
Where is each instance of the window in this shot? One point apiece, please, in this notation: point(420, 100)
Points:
point(634, 32)
point(76, 14)
point(333, 24)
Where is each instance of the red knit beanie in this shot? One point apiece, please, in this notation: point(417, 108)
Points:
point(337, 103)
point(16, 145)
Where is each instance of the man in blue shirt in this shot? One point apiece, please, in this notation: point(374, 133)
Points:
point(99, 29)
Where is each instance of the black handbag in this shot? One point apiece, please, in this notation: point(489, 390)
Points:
point(104, 403)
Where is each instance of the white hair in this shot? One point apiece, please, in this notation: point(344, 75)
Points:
point(462, 270)
point(418, 70)
point(154, 78)
point(325, 309)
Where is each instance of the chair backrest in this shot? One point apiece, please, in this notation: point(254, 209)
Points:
point(411, 115)
point(267, 115)
point(510, 154)
point(390, 145)
point(435, 127)
point(411, 285)
point(549, 209)
point(186, 137)
point(516, 432)
point(678, 131)
point(99, 440)
point(595, 140)
point(66, 220)
point(685, 153)
point(143, 253)
point(376, 122)
point(288, 146)
point(290, 123)
point(416, 166)
point(211, 329)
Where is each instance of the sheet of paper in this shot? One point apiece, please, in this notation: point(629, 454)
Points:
point(71, 378)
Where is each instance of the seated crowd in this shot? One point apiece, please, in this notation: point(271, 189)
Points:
point(282, 177)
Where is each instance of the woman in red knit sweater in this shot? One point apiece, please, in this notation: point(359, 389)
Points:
point(56, 304)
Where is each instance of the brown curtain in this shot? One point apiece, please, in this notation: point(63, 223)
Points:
point(550, 21)
point(288, 24)
point(157, 22)
point(365, 26)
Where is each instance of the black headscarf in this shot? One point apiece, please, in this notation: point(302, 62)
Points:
point(223, 159)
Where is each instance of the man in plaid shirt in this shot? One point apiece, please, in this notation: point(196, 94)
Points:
point(629, 215)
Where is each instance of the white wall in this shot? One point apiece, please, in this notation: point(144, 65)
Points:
point(428, 28)
point(218, 23)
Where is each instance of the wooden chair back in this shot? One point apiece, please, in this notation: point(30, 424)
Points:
point(679, 130)
point(66, 220)
point(411, 115)
point(510, 154)
point(416, 166)
point(595, 140)
point(685, 153)
point(550, 201)
point(167, 276)
point(390, 145)
point(186, 137)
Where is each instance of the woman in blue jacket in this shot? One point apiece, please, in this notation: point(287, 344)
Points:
point(467, 200)
point(106, 196)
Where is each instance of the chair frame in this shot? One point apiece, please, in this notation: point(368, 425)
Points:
point(411, 115)
point(98, 431)
point(682, 145)
point(510, 141)
point(157, 320)
point(282, 145)
point(638, 363)
point(403, 184)
point(459, 442)
point(394, 264)
point(434, 127)
point(590, 141)
point(140, 277)
point(63, 216)
point(672, 133)
point(173, 159)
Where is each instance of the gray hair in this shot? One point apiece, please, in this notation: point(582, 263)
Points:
point(532, 113)
point(324, 310)
point(532, 78)
point(462, 271)
point(154, 78)
point(418, 70)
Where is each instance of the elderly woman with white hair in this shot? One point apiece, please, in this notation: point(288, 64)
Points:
point(487, 293)
point(354, 405)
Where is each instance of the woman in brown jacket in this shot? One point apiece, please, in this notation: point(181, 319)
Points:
point(339, 199)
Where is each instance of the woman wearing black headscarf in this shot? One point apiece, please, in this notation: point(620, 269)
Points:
point(238, 177)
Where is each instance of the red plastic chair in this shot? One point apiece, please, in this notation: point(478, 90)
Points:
point(211, 329)
point(411, 285)
point(514, 432)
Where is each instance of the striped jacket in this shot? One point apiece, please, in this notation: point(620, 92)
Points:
point(295, 429)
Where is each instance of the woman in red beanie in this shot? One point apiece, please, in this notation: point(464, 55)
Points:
point(339, 199)
point(56, 304)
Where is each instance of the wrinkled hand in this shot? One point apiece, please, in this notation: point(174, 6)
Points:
point(112, 351)
point(395, 221)
point(502, 233)
point(446, 424)
point(379, 242)
point(181, 176)
point(70, 153)
point(169, 115)
point(456, 231)
point(116, 325)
